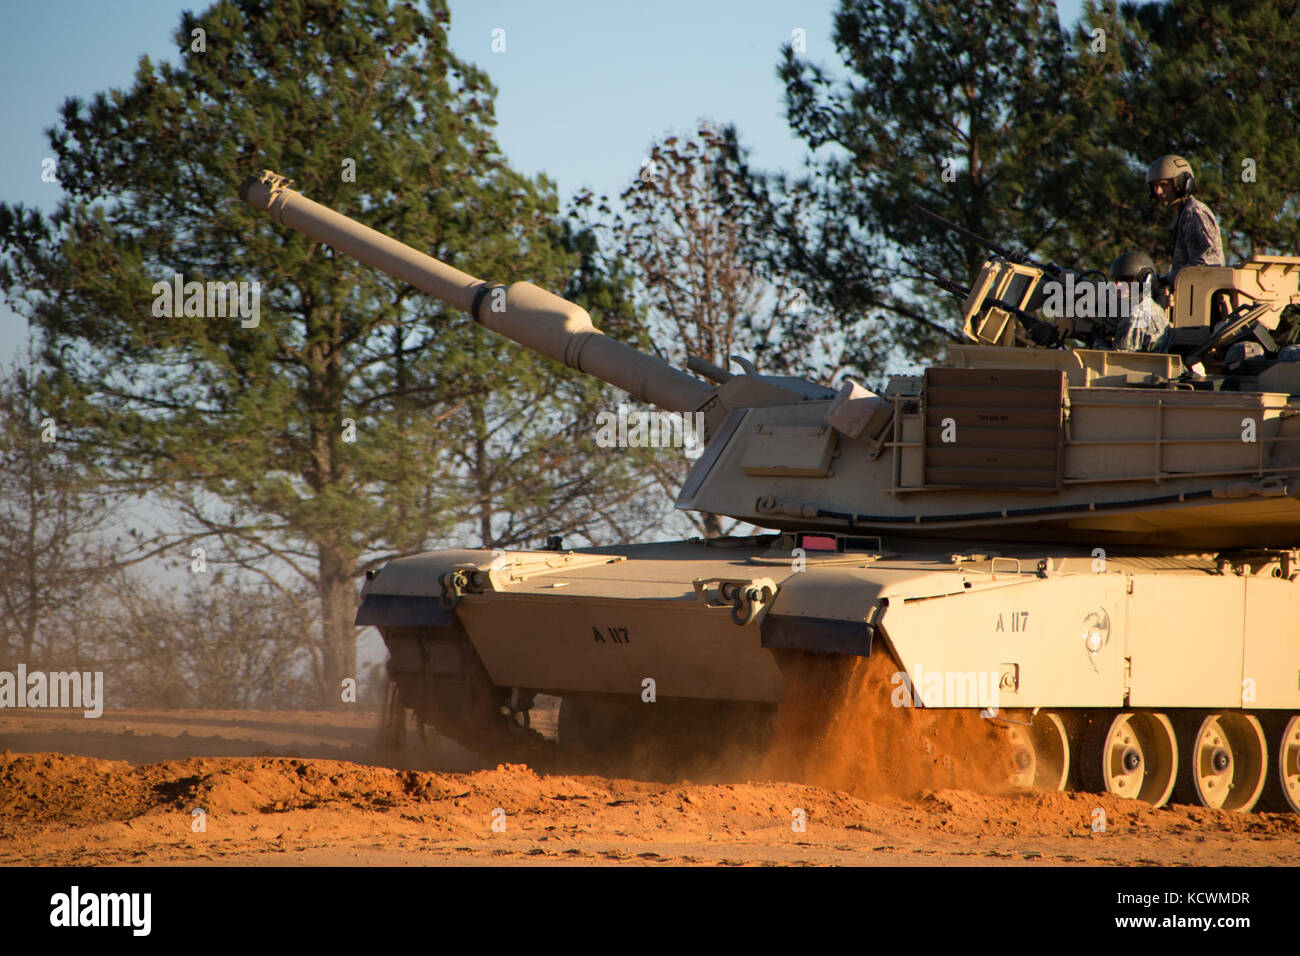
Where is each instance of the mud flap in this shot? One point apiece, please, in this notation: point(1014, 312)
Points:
point(821, 635)
point(403, 610)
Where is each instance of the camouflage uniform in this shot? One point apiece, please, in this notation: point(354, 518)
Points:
point(1142, 328)
point(1196, 237)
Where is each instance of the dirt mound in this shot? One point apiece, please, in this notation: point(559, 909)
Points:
point(50, 788)
point(57, 809)
point(62, 809)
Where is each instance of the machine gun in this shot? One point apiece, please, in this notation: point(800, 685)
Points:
point(1010, 286)
point(1010, 255)
point(1043, 334)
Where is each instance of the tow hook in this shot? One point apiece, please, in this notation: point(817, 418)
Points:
point(453, 584)
point(747, 597)
point(748, 602)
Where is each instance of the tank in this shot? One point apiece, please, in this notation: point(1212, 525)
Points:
point(1096, 549)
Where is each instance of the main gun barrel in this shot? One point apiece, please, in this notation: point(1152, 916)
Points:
point(531, 316)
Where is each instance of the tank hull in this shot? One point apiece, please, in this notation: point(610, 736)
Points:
point(1083, 636)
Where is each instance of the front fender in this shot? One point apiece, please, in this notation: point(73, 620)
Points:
point(407, 592)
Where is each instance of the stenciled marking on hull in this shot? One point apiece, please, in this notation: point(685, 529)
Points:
point(1019, 621)
point(617, 635)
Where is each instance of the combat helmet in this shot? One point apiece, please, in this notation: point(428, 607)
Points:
point(1175, 168)
point(1132, 267)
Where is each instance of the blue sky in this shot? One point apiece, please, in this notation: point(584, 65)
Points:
point(584, 86)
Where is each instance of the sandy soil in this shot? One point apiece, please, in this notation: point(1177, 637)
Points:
point(288, 788)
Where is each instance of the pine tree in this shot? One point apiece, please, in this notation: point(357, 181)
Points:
point(957, 107)
point(356, 419)
point(1213, 81)
point(1037, 138)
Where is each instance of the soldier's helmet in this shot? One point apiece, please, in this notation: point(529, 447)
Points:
point(1132, 267)
point(1175, 168)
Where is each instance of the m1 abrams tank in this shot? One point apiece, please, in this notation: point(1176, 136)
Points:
point(1097, 547)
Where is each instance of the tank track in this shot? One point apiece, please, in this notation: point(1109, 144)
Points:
point(437, 675)
point(1228, 759)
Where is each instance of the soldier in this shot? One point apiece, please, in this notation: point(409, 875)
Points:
point(1195, 230)
point(1143, 326)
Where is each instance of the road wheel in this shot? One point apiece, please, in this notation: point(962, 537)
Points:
point(445, 683)
point(1042, 756)
point(1223, 760)
point(1282, 793)
point(1131, 754)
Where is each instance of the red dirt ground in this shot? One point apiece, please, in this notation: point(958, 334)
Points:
point(309, 788)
